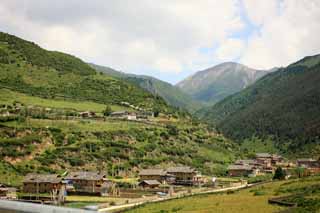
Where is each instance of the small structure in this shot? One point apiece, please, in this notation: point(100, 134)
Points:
point(7, 192)
point(41, 183)
point(124, 115)
point(184, 175)
point(86, 182)
point(268, 159)
point(156, 174)
point(308, 163)
point(87, 114)
point(242, 170)
point(149, 184)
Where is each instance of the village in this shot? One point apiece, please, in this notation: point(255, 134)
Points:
point(150, 184)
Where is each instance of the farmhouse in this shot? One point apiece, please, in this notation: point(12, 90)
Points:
point(242, 170)
point(87, 114)
point(156, 174)
point(152, 174)
point(312, 166)
point(86, 182)
point(149, 184)
point(40, 183)
point(268, 160)
point(184, 174)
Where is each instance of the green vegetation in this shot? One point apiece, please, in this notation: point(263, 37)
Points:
point(27, 68)
point(171, 94)
point(304, 193)
point(283, 105)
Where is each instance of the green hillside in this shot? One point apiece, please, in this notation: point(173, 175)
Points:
point(283, 105)
point(27, 68)
point(171, 94)
point(41, 129)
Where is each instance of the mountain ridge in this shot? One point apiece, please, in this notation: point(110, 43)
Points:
point(217, 82)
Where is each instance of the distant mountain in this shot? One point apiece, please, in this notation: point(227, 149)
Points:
point(173, 95)
point(283, 104)
point(28, 68)
point(214, 84)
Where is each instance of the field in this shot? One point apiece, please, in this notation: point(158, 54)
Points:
point(305, 192)
point(9, 97)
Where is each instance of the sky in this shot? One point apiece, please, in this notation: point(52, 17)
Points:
point(169, 39)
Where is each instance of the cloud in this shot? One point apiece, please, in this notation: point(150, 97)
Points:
point(166, 36)
point(286, 32)
point(230, 49)
point(171, 37)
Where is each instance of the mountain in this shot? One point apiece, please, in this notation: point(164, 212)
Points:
point(43, 130)
point(171, 94)
point(214, 84)
point(27, 68)
point(283, 105)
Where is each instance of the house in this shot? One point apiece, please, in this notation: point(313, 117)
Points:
point(242, 170)
point(184, 175)
point(308, 163)
point(87, 114)
point(42, 183)
point(156, 174)
point(86, 182)
point(149, 184)
point(311, 166)
point(7, 192)
point(152, 174)
point(268, 160)
point(124, 115)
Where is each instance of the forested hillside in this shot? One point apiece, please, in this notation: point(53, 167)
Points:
point(283, 105)
point(171, 94)
point(26, 67)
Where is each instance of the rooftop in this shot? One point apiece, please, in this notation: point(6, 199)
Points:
point(42, 178)
point(181, 169)
point(151, 182)
point(85, 175)
point(152, 172)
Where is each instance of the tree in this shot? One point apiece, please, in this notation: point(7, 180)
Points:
point(107, 111)
point(279, 174)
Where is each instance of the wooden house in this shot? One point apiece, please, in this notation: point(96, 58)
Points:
point(42, 183)
point(86, 182)
point(242, 170)
point(156, 174)
point(87, 114)
point(184, 175)
point(149, 184)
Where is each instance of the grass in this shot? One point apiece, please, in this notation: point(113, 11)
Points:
point(9, 97)
point(76, 125)
point(253, 200)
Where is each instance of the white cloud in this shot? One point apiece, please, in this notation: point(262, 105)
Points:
point(230, 49)
point(290, 32)
point(164, 35)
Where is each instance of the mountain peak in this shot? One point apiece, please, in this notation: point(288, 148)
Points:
point(219, 81)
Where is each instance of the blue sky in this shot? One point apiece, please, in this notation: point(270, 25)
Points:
point(172, 39)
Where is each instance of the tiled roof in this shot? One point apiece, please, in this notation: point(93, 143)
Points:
point(181, 169)
point(160, 172)
point(84, 175)
point(42, 178)
point(240, 167)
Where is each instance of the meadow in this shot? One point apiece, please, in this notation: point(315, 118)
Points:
point(305, 192)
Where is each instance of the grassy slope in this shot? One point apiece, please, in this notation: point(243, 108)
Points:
point(45, 145)
point(27, 68)
point(173, 95)
point(283, 104)
point(249, 200)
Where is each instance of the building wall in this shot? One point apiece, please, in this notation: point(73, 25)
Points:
point(40, 187)
point(87, 185)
